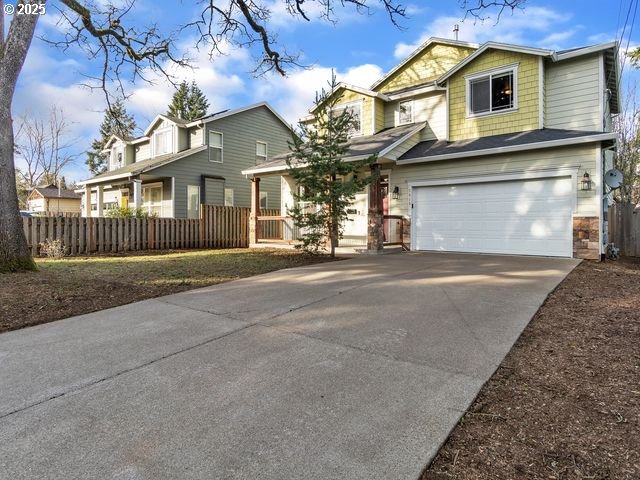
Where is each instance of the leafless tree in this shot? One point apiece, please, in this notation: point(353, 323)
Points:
point(44, 146)
point(106, 31)
point(627, 156)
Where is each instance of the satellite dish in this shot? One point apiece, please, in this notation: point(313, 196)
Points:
point(613, 178)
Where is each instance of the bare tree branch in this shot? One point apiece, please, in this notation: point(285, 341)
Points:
point(480, 9)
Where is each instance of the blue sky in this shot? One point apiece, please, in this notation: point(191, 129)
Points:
point(360, 48)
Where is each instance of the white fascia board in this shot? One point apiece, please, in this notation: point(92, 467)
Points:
point(558, 57)
point(432, 87)
point(494, 46)
point(347, 86)
point(240, 110)
point(514, 148)
point(93, 181)
point(401, 140)
point(419, 50)
point(139, 140)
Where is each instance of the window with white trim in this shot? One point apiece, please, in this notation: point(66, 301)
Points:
point(261, 152)
point(215, 146)
point(264, 202)
point(228, 197)
point(163, 141)
point(492, 93)
point(193, 201)
point(355, 109)
point(152, 199)
point(405, 112)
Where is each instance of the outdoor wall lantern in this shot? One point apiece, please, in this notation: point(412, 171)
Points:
point(395, 194)
point(585, 184)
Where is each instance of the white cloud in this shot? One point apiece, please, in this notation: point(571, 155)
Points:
point(292, 96)
point(512, 28)
point(557, 39)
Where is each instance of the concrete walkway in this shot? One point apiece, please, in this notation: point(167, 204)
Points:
point(350, 370)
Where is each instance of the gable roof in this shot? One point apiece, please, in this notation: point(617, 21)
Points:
point(142, 167)
point(494, 46)
point(51, 191)
point(435, 150)
point(359, 148)
point(229, 113)
point(162, 116)
point(347, 86)
point(418, 51)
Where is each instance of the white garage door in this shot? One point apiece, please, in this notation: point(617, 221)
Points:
point(530, 217)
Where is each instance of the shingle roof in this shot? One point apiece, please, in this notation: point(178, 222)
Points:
point(362, 146)
point(436, 148)
point(145, 165)
point(51, 191)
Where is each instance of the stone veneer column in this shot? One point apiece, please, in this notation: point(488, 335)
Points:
point(586, 238)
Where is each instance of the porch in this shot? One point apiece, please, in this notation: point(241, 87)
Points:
point(155, 194)
point(370, 232)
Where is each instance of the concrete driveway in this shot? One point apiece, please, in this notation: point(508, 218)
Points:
point(350, 370)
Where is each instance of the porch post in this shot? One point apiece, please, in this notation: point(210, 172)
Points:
point(254, 227)
point(87, 201)
point(375, 230)
point(137, 193)
point(99, 201)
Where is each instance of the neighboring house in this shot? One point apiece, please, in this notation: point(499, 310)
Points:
point(489, 148)
point(177, 165)
point(49, 200)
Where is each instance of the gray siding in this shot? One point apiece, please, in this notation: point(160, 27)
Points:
point(214, 191)
point(240, 133)
point(572, 94)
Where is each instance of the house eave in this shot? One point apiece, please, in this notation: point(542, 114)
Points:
point(511, 149)
point(417, 51)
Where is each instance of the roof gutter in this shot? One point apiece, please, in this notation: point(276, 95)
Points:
point(514, 148)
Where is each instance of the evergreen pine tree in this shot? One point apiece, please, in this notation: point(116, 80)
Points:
point(197, 104)
point(327, 184)
point(116, 121)
point(178, 106)
point(188, 102)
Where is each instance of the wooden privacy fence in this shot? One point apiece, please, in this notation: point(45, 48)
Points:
point(218, 227)
point(624, 229)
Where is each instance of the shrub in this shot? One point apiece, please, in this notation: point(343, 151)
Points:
point(53, 248)
point(127, 212)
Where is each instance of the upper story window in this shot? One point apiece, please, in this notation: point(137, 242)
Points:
point(215, 146)
point(163, 141)
point(356, 113)
point(493, 92)
point(405, 112)
point(261, 152)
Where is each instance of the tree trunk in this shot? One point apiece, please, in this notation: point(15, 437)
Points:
point(14, 253)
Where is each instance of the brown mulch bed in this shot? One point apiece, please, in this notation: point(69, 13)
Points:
point(77, 285)
point(565, 403)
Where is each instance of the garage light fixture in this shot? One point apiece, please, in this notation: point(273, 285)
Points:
point(585, 184)
point(395, 194)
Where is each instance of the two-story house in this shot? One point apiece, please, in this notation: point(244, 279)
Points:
point(489, 148)
point(176, 166)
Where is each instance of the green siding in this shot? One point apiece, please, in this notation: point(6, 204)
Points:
point(240, 131)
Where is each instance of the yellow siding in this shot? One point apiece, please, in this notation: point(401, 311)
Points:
point(425, 67)
point(63, 205)
point(525, 118)
point(349, 96)
point(581, 157)
point(379, 114)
